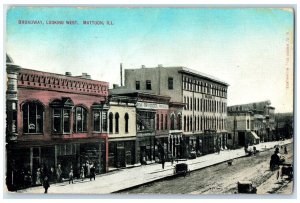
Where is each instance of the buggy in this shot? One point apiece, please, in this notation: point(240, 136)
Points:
point(246, 187)
point(181, 169)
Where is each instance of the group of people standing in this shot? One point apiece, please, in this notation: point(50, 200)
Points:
point(45, 177)
point(88, 170)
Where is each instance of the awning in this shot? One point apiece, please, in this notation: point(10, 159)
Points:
point(254, 135)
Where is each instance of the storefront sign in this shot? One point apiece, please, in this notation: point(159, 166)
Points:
point(145, 105)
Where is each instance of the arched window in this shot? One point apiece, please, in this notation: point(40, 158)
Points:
point(80, 119)
point(111, 118)
point(33, 117)
point(198, 126)
point(201, 124)
point(188, 124)
point(126, 122)
point(179, 122)
point(61, 115)
point(172, 122)
point(117, 123)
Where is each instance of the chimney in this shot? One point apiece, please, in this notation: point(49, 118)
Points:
point(160, 65)
point(143, 66)
point(68, 74)
point(121, 74)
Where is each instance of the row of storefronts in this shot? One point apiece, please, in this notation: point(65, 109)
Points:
point(58, 123)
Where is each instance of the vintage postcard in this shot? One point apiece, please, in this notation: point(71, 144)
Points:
point(149, 100)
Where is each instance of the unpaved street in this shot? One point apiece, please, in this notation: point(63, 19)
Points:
point(222, 179)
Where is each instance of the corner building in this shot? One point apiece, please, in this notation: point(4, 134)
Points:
point(204, 115)
point(53, 119)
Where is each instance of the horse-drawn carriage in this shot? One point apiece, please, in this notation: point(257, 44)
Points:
point(246, 187)
point(181, 169)
point(286, 170)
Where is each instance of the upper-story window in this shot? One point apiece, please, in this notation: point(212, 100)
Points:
point(137, 85)
point(157, 121)
point(117, 123)
point(97, 120)
point(80, 119)
point(248, 123)
point(148, 85)
point(126, 117)
point(172, 122)
point(170, 83)
point(33, 117)
point(166, 122)
point(111, 118)
point(61, 115)
point(179, 122)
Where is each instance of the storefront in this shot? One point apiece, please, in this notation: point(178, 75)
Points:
point(121, 153)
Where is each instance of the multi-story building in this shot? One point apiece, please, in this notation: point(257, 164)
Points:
point(263, 118)
point(205, 97)
point(158, 130)
point(53, 120)
point(240, 129)
point(121, 131)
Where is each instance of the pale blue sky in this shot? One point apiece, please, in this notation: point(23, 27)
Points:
point(244, 47)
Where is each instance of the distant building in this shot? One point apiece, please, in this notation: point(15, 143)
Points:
point(53, 119)
point(205, 98)
point(261, 121)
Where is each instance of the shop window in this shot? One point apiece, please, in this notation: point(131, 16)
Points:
point(33, 113)
point(80, 119)
point(148, 85)
point(117, 123)
point(110, 117)
point(137, 85)
point(126, 122)
point(170, 83)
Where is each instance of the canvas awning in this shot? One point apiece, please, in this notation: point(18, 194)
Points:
point(254, 135)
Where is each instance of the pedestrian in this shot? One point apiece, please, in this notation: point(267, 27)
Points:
point(38, 177)
point(88, 167)
point(172, 160)
point(71, 176)
point(163, 162)
point(52, 174)
point(285, 150)
point(46, 184)
point(92, 172)
point(58, 173)
point(82, 173)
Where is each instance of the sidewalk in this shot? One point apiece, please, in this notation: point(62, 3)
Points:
point(131, 177)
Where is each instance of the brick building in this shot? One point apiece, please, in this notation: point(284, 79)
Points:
point(53, 119)
point(203, 118)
